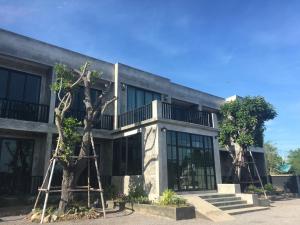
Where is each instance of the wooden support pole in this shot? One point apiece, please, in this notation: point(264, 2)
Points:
point(42, 186)
point(47, 192)
point(262, 186)
point(88, 181)
point(98, 177)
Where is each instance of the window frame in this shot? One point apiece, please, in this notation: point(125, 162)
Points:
point(145, 91)
point(120, 167)
point(26, 75)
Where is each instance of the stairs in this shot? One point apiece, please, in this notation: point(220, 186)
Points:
point(230, 203)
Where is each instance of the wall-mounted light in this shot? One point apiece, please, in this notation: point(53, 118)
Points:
point(123, 87)
point(163, 129)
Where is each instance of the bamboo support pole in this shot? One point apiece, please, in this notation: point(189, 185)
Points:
point(98, 177)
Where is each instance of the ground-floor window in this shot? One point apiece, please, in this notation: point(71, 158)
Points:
point(127, 155)
point(15, 165)
point(190, 162)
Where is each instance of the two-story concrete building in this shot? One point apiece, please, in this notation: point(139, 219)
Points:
point(158, 133)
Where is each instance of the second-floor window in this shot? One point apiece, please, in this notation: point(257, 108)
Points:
point(19, 86)
point(137, 97)
point(78, 97)
point(77, 109)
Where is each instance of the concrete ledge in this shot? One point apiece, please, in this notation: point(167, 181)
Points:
point(176, 213)
point(207, 210)
point(264, 202)
point(250, 198)
point(229, 188)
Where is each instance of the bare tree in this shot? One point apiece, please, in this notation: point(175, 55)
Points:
point(66, 83)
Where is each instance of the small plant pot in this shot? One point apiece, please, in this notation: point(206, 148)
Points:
point(122, 206)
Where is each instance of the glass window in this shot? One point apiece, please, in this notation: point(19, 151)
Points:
point(15, 165)
point(127, 156)
point(19, 86)
point(140, 98)
point(16, 86)
point(194, 162)
point(130, 98)
point(137, 97)
point(156, 96)
point(148, 97)
point(3, 83)
point(32, 89)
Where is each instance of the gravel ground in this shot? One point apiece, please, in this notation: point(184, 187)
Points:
point(281, 213)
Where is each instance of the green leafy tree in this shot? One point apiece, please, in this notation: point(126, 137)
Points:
point(274, 160)
point(294, 160)
point(67, 81)
point(242, 121)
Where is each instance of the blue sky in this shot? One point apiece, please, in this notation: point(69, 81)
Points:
point(221, 47)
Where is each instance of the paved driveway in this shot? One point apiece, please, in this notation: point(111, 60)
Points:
point(281, 213)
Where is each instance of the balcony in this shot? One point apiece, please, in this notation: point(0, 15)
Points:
point(135, 116)
point(24, 111)
point(158, 110)
point(104, 122)
point(173, 112)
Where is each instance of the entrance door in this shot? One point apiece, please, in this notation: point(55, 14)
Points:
point(15, 165)
point(190, 162)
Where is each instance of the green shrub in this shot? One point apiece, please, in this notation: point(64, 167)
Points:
point(169, 197)
point(254, 190)
point(270, 189)
point(136, 192)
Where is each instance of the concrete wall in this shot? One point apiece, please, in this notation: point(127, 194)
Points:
point(145, 80)
point(26, 54)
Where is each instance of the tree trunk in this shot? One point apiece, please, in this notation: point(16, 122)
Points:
point(66, 195)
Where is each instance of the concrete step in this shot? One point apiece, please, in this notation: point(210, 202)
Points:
point(237, 206)
point(212, 200)
point(229, 203)
point(210, 196)
point(246, 210)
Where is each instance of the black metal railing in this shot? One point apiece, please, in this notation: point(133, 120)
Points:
point(173, 112)
point(135, 116)
point(102, 122)
point(24, 111)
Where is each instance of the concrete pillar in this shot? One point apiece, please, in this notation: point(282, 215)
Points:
point(162, 159)
point(48, 150)
point(52, 99)
point(156, 109)
point(151, 161)
point(215, 121)
point(118, 94)
point(217, 161)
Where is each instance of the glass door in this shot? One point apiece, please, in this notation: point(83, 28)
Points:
point(15, 165)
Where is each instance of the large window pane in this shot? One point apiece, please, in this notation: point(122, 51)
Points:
point(15, 165)
point(127, 158)
point(137, 97)
point(148, 97)
point(140, 98)
point(16, 86)
point(134, 163)
point(130, 98)
point(32, 89)
point(3, 83)
point(194, 162)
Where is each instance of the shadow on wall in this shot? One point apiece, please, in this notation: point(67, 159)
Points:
point(149, 147)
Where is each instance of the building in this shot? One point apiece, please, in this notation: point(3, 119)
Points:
point(158, 133)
